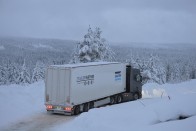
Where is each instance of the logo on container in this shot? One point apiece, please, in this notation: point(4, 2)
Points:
point(85, 80)
point(118, 76)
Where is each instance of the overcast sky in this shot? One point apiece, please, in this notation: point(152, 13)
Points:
point(157, 21)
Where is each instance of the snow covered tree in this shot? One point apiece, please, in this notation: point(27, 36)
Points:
point(151, 68)
point(157, 71)
point(8, 73)
point(168, 72)
point(3, 75)
point(13, 73)
point(93, 48)
point(38, 72)
point(24, 76)
point(193, 73)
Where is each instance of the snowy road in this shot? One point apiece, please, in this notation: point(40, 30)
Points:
point(44, 121)
point(40, 122)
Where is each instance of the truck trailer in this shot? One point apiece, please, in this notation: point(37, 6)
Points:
point(74, 88)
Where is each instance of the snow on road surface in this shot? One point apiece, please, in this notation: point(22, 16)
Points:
point(18, 102)
point(22, 109)
point(38, 122)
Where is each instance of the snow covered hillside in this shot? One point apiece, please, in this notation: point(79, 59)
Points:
point(22, 108)
point(28, 57)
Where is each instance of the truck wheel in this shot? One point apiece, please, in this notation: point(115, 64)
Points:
point(77, 110)
point(140, 96)
point(112, 100)
point(86, 107)
point(135, 96)
point(119, 99)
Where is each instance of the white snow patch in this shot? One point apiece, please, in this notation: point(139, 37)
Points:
point(153, 90)
point(42, 46)
point(19, 101)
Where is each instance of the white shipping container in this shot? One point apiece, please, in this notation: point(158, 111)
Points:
point(69, 85)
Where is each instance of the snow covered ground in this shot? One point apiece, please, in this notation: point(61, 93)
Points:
point(18, 102)
point(152, 113)
point(159, 109)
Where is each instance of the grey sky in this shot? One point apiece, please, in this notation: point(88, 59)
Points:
point(161, 21)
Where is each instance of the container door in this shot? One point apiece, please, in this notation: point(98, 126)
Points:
point(64, 86)
point(57, 86)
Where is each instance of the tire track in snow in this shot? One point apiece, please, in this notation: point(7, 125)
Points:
point(39, 122)
point(45, 121)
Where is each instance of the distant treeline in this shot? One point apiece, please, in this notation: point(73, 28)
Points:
point(161, 65)
point(25, 60)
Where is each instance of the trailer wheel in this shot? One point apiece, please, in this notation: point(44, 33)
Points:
point(77, 110)
point(91, 105)
point(135, 96)
point(86, 107)
point(112, 100)
point(119, 99)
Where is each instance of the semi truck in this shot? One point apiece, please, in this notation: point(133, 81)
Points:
point(75, 88)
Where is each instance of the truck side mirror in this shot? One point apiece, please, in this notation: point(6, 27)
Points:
point(141, 78)
point(138, 78)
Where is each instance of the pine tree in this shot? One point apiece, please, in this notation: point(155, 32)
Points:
point(168, 72)
point(151, 68)
point(12, 73)
point(3, 75)
point(156, 69)
point(38, 72)
point(92, 49)
point(24, 76)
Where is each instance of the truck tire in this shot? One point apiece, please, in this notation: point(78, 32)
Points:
point(85, 107)
point(112, 100)
point(119, 99)
point(140, 96)
point(135, 96)
point(77, 110)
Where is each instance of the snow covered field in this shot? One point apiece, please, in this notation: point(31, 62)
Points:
point(159, 109)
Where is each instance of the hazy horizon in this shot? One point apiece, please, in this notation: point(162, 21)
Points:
point(130, 21)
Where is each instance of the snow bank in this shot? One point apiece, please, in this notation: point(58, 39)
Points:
point(150, 113)
point(19, 101)
point(155, 90)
